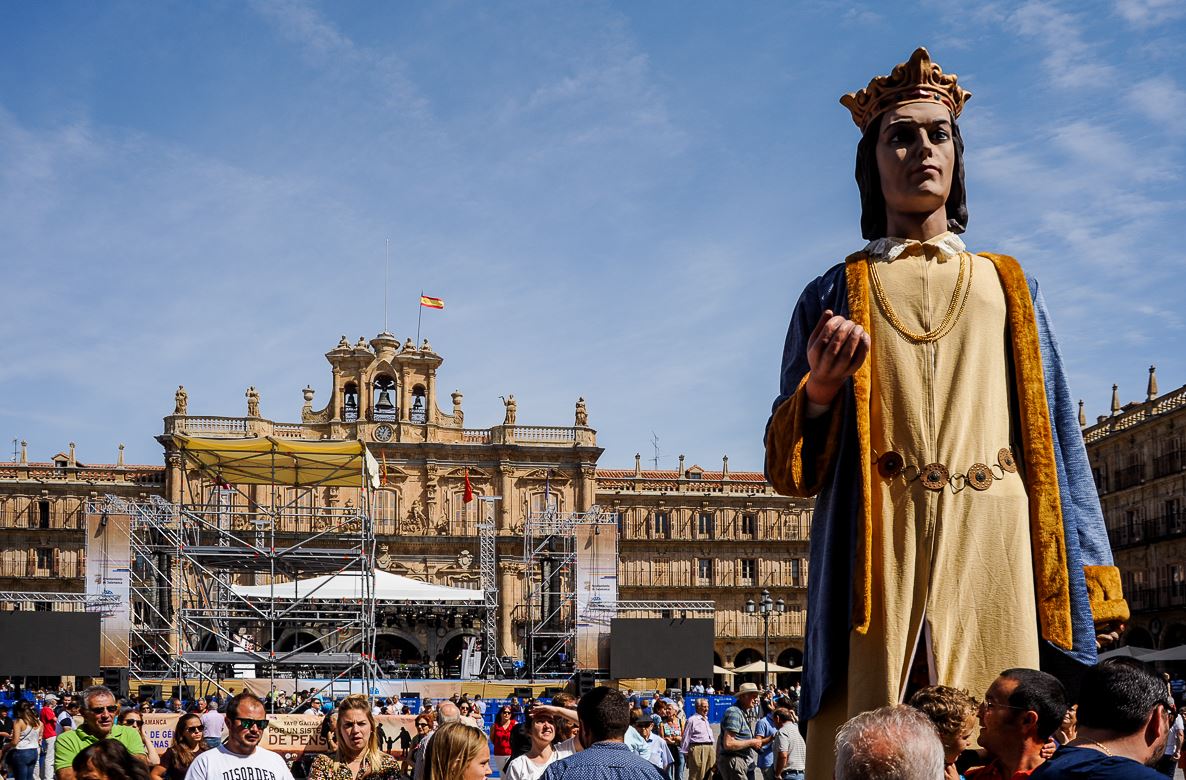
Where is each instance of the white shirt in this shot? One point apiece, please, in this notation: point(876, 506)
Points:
point(480, 706)
point(523, 768)
point(222, 764)
point(660, 754)
point(1174, 742)
point(212, 723)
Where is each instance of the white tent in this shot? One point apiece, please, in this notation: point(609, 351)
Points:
point(757, 667)
point(337, 587)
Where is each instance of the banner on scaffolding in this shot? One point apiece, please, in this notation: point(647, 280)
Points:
point(108, 582)
point(596, 583)
point(294, 735)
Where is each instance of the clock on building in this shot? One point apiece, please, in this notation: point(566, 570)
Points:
point(383, 432)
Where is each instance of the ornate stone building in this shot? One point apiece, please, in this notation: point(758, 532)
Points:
point(43, 547)
point(685, 534)
point(1138, 458)
point(716, 536)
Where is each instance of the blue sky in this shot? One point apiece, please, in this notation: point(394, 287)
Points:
point(619, 201)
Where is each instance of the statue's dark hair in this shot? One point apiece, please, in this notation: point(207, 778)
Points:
point(873, 201)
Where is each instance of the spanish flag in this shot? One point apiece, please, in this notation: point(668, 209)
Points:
point(432, 303)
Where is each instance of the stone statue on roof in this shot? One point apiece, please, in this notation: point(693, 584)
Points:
point(252, 401)
point(181, 401)
point(512, 408)
point(582, 418)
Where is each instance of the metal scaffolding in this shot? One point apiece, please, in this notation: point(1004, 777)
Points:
point(488, 569)
point(550, 560)
point(252, 512)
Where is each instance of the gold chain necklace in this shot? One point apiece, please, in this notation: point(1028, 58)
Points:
point(955, 309)
point(1097, 744)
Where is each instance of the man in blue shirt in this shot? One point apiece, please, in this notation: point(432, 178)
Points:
point(1123, 717)
point(604, 715)
point(766, 727)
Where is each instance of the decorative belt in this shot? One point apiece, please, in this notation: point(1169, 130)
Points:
point(936, 476)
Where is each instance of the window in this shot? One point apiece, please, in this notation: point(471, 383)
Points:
point(43, 513)
point(796, 573)
point(663, 525)
point(704, 570)
point(621, 517)
point(749, 525)
point(749, 571)
point(45, 557)
point(385, 511)
point(42, 606)
point(704, 524)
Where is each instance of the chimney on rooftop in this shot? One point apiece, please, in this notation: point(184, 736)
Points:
point(1151, 388)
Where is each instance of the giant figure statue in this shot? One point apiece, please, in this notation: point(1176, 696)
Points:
point(957, 531)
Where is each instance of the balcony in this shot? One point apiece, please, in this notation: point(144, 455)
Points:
point(1171, 525)
point(55, 570)
point(1149, 598)
point(1169, 463)
point(1130, 476)
point(738, 625)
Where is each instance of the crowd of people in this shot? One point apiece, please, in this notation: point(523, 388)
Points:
point(1123, 722)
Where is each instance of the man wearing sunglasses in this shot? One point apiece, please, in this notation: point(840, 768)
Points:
point(240, 756)
point(99, 709)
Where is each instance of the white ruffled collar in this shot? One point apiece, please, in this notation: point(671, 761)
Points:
point(947, 245)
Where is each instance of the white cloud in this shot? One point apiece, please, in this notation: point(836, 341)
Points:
point(1159, 98)
point(1069, 60)
point(1147, 13)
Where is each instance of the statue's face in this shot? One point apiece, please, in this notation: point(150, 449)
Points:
point(916, 158)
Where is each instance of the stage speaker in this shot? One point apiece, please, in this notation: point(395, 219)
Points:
point(183, 692)
point(150, 692)
point(584, 682)
point(116, 680)
point(524, 693)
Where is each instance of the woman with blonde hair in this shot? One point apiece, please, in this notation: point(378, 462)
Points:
point(457, 751)
point(357, 754)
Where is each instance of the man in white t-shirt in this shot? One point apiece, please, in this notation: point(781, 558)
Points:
point(240, 757)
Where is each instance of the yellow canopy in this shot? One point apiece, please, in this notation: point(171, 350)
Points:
point(266, 460)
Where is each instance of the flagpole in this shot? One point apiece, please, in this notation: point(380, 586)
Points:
point(386, 265)
point(419, 315)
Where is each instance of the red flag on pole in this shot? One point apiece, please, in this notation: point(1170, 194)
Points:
point(469, 491)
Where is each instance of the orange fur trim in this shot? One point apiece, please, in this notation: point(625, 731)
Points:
point(856, 273)
point(1106, 594)
point(797, 467)
point(1040, 467)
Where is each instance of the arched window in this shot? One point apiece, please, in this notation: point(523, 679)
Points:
point(419, 411)
point(350, 402)
point(545, 501)
point(384, 399)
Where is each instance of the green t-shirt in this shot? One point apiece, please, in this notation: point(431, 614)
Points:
point(75, 741)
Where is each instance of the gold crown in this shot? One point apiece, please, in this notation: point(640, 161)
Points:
point(917, 79)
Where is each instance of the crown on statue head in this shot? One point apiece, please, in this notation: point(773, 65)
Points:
point(916, 80)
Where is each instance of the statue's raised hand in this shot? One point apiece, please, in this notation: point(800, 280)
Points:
point(835, 350)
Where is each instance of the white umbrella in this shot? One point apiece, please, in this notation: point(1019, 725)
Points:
point(721, 670)
point(758, 667)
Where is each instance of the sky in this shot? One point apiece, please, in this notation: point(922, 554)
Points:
point(620, 201)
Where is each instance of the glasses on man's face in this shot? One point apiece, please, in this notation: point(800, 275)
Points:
point(110, 709)
point(988, 705)
point(247, 723)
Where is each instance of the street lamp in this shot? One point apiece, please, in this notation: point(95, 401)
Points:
point(764, 607)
